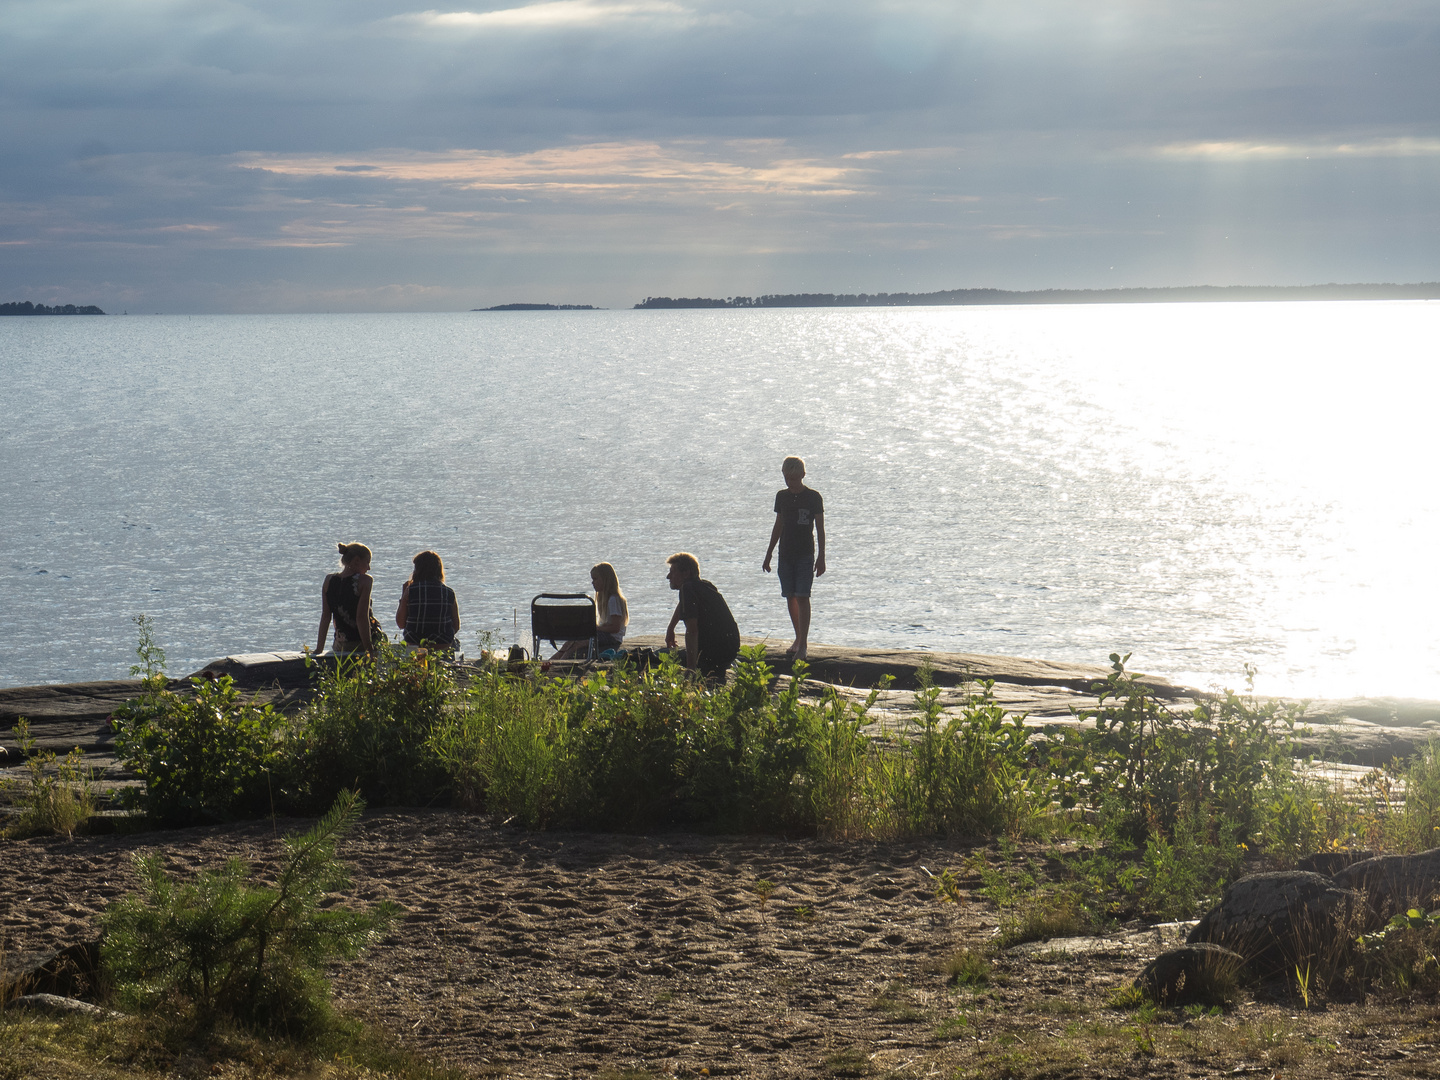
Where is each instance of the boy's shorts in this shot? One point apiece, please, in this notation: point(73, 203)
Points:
point(796, 575)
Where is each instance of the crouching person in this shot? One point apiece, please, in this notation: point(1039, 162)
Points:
point(712, 640)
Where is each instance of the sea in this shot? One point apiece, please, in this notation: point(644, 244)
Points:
point(1209, 488)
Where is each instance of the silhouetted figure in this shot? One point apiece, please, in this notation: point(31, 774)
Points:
point(799, 525)
point(345, 597)
point(712, 640)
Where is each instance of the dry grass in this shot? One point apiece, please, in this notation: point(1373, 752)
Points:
point(154, 1048)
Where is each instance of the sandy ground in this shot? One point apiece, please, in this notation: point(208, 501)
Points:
point(560, 954)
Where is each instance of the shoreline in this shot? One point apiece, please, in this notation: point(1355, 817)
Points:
point(1354, 733)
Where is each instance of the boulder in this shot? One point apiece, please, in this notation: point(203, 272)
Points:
point(1274, 920)
point(1395, 883)
point(73, 972)
point(63, 1006)
point(1201, 972)
point(1331, 863)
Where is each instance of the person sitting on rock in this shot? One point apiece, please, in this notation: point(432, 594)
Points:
point(712, 640)
point(345, 597)
point(428, 612)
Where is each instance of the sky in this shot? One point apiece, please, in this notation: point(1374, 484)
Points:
point(368, 155)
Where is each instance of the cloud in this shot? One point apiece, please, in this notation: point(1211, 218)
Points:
point(555, 14)
point(612, 170)
point(1021, 143)
point(1241, 150)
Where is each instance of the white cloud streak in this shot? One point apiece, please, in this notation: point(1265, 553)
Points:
point(612, 170)
point(555, 14)
point(1242, 150)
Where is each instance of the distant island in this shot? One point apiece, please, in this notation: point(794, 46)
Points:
point(25, 307)
point(539, 307)
point(1178, 294)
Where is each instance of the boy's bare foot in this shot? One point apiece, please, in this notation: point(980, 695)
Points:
point(790, 652)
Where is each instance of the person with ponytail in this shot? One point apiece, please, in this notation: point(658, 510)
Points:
point(345, 597)
point(428, 613)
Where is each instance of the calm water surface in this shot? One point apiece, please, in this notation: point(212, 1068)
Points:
point(1201, 485)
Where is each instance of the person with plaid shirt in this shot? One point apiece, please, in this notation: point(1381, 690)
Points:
point(428, 613)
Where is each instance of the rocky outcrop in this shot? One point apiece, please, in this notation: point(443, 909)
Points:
point(71, 972)
point(1274, 919)
point(1395, 883)
point(1199, 972)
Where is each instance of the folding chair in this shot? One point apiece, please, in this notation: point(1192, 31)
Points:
point(570, 618)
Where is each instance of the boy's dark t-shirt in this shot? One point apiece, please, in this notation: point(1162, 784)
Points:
point(719, 636)
point(798, 510)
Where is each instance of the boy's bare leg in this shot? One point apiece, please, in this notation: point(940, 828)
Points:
point(800, 619)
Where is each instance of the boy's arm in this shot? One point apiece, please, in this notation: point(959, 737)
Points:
point(774, 539)
point(819, 543)
point(691, 615)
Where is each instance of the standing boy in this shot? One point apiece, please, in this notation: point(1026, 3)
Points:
point(799, 524)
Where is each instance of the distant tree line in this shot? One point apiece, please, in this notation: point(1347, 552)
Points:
point(1185, 293)
point(538, 307)
point(25, 307)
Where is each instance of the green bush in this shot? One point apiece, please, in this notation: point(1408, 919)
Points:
point(213, 756)
point(370, 727)
point(1190, 792)
point(629, 750)
point(51, 804)
point(970, 776)
point(227, 947)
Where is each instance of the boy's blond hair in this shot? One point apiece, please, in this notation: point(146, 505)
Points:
point(793, 464)
point(685, 561)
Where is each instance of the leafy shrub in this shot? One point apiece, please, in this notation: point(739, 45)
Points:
point(1191, 791)
point(228, 947)
point(212, 756)
point(370, 727)
point(969, 776)
point(1405, 954)
point(629, 749)
point(51, 804)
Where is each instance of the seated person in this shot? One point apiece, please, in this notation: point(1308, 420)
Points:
point(345, 598)
point(712, 640)
point(612, 614)
point(428, 613)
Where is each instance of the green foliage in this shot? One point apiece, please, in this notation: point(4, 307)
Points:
point(947, 887)
point(370, 728)
point(210, 756)
point(227, 947)
point(152, 656)
point(1191, 792)
point(1415, 824)
point(1170, 802)
point(966, 967)
point(627, 750)
point(969, 776)
point(51, 804)
point(1032, 908)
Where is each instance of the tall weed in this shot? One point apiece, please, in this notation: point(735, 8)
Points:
point(51, 804)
